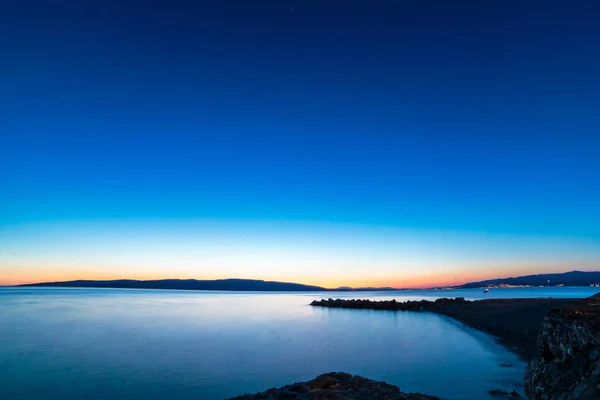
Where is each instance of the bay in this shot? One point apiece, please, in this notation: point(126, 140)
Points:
point(69, 343)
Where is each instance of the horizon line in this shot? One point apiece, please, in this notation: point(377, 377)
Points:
point(285, 282)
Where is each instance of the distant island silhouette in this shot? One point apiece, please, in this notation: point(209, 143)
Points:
point(245, 285)
point(573, 278)
point(188, 284)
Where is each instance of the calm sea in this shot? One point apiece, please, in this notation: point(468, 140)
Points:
point(151, 344)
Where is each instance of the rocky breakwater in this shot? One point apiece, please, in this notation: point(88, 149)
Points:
point(567, 363)
point(337, 386)
point(422, 305)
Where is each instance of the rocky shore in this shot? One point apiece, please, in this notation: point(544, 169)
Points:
point(566, 353)
point(337, 386)
point(567, 363)
point(393, 305)
point(514, 322)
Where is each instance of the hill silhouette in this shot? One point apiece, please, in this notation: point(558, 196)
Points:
point(572, 278)
point(187, 284)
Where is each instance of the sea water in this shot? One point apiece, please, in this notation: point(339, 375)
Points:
point(59, 343)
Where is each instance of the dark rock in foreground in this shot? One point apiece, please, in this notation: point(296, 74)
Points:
point(504, 393)
point(423, 305)
point(337, 385)
point(567, 365)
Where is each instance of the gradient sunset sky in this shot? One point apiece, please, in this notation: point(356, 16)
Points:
point(384, 143)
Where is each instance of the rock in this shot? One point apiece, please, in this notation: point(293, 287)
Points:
point(337, 386)
point(423, 305)
point(512, 393)
point(567, 363)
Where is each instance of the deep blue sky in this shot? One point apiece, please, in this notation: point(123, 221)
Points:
point(453, 116)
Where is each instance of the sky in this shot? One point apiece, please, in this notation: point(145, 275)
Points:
point(381, 143)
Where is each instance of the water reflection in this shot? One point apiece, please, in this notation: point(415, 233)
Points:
point(98, 344)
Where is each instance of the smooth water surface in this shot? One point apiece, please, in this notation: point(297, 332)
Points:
point(151, 344)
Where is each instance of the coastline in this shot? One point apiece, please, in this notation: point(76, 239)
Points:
point(567, 328)
point(514, 323)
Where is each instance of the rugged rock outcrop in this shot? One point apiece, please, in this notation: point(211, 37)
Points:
point(394, 305)
point(567, 366)
point(504, 393)
point(337, 386)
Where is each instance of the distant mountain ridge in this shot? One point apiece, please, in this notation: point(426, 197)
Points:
point(232, 284)
point(187, 284)
point(572, 278)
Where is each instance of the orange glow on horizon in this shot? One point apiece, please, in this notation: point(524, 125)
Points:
point(326, 255)
point(409, 278)
point(331, 282)
point(416, 282)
